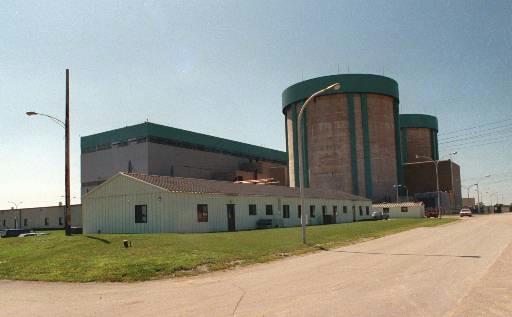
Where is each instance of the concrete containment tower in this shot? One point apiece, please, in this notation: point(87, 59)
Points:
point(419, 136)
point(353, 139)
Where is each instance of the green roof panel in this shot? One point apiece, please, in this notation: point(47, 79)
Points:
point(350, 83)
point(183, 137)
point(418, 121)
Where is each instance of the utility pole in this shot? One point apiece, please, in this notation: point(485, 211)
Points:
point(68, 194)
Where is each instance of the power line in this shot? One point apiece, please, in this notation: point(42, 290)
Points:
point(447, 148)
point(476, 126)
point(477, 132)
point(472, 137)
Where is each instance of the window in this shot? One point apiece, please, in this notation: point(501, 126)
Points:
point(252, 210)
point(202, 213)
point(324, 210)
point(367, 210)
point(141, 213)
point(269, 211)
point(334, 210)
point(405, 209)
point(60, 221)
point(299, 209)
point(46, 221)
point(312, 211)
point(286, 211)
point(4, 222)
point(25, 222)
point(360, 210)
point(385, 210)
point(344, 209)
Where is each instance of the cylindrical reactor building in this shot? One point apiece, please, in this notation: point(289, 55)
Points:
point(352, 138)
point(419, 137)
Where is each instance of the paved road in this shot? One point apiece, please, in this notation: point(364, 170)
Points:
point(461, 269)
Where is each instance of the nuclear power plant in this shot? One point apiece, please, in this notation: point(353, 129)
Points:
point(354, 140)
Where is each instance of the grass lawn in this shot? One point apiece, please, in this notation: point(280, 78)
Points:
point(101, 257)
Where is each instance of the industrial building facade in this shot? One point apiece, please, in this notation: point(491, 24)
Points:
point(420, 178)
point(51, 217)
point(160, 150)
point(355, 145)
point(138, 203)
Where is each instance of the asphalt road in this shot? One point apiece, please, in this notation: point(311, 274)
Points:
point(461, 269)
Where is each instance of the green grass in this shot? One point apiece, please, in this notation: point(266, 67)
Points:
point(101, 257)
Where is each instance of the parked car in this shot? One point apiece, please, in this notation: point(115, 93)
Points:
point(465, 212)
point(379, 215)
point(431, 213)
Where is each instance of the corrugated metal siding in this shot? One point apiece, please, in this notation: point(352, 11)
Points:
point(111, 209)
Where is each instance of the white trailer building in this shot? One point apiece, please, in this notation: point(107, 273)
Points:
point(401, 210)
point(137, 203)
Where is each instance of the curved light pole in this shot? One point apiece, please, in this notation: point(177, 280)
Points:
point(436, 163)
point(335, 86)
point(478, 190)
point(65, 125)
point(16, 207)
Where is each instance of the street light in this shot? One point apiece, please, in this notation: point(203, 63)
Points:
point(65, 125)
point(16, 207)
point(490, 197)
point(335, 86)
point(478, 190)
point(402, 186)
point(436, 163)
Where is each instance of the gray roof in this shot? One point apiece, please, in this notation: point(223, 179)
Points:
point(204, 186)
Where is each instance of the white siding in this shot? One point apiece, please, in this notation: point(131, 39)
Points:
point(110, 208)
point(417, 211)
point(36, 217)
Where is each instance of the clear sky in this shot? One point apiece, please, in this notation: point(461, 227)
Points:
point(219, 67)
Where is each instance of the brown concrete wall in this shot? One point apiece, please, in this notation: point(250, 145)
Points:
point(382, 145)
point(329, 152)
point(359, 145)
point(419, 141)
point(329, 143)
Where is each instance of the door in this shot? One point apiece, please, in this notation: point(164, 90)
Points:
point(354, 213)
point(231, 217)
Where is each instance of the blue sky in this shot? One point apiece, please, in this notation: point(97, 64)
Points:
point(219, 67)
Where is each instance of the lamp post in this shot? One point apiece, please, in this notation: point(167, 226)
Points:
point(335, 86)
point(65, 125)
point(406, 192)
point(478, 190)
point(469, 187)
point(490, 198)
point(451, 171)
point(436, 163)
point(16, 207)
point(397, 186)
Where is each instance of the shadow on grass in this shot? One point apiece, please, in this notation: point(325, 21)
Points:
point(99, 239)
